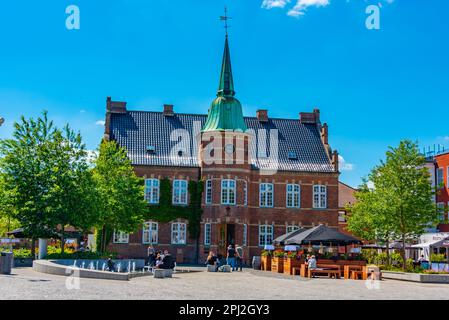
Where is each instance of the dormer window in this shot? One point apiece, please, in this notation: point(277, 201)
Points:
point(151, 149)
point(292, 155)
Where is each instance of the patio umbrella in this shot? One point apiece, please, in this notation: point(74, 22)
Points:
point(321, 235)
point(281, 240)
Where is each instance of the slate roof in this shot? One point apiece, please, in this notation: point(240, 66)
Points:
point(136, 130)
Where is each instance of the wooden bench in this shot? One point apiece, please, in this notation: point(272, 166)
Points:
point(296, 271)
point(329, 269)
point(355, 272)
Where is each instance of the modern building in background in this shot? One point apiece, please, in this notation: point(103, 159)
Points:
point(275, 175)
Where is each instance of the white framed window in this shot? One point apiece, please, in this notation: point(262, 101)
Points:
point(441, 208)
point(440, 177)
point(178, 233)
point(245, 193)
point(293, 196)
point(341, 216)
point(150, 232)
point(208, 199)
point(120, 237)
point(207, 233)
point(245, 235)
point(265, 234)
point(180, 192)
point(152, 191)
point(319, 197)
point(266, 195)
point(289, 229)
point(228, 191)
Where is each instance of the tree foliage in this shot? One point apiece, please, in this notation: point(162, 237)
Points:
point(399, 206)
point(121, 203)
point(46, 174)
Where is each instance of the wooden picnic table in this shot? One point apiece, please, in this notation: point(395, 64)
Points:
point(329, 269)
point(355, 272)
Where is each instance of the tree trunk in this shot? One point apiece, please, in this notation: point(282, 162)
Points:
point(387, 248)
point(33, 248)
point(103, 239)
point(404, 262)
point(62, 240)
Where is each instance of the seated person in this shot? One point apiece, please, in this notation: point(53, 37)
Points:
point(212, 260)
point(111, 265)
point(167, 261)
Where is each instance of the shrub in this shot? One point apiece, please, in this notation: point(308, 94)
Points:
point(279, 254)
point(434, 257)
point(22, 253)
point(266, 253)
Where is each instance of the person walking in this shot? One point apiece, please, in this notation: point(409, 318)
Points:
point(239, 251)
point(230, 257)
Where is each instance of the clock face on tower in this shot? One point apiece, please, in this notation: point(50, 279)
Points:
point(229, 148)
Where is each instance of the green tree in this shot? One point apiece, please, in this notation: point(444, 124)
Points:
point(7, 220)
point(400, 204)
point(45, 172)
point(121, 193)
point(368, 216)
point(72, 197)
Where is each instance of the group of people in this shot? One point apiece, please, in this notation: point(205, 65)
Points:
point(234, 258)
point(159, 259)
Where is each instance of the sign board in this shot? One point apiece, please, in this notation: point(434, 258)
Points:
point(8, 240)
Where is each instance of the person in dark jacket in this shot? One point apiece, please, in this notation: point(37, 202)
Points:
point(167, 261)
point(111, 264)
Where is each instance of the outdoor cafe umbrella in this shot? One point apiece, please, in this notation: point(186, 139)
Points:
point(281, 239)
point(321, 235)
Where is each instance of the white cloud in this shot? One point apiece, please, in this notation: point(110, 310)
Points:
point(100, 123)
point(343, 165)
point(302, 5)
point(269, 4)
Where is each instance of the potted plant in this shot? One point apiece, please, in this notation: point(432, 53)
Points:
point(292, 260)
point(265, 260)
point(277, 262)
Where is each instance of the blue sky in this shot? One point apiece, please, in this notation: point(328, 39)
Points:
point(373, 87)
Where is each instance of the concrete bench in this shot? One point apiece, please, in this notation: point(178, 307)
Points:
point(211, 268)
point(159, 273)
point(225, 268)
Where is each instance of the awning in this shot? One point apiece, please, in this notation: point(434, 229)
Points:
point(321, 235)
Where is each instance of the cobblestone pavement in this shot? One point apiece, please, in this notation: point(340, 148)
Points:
point(25, 283)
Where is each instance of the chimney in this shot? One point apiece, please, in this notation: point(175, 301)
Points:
point(325, 134)
point(112, 107)
point(115, 106)
point(168, 110)
point(335, 160)
point(310, 117)
point(262, 115)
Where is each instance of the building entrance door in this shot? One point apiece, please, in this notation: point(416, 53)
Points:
point(226, 237)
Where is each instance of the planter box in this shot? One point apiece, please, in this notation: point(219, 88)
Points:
point(416, 277)
point(265, 263)
point(277, 265)
point(289, 264)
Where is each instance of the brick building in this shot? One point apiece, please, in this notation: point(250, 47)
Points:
point(345, 198)
point(441, 161)
point(262, 176)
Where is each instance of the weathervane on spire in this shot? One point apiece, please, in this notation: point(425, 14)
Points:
point(225, 18)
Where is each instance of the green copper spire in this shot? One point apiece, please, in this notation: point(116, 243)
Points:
point(225, 112)
point(226, 86)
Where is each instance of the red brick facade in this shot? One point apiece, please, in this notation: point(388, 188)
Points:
point(442, 197)
point(227, 221)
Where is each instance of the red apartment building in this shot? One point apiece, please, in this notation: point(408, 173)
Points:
point(442, 182)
